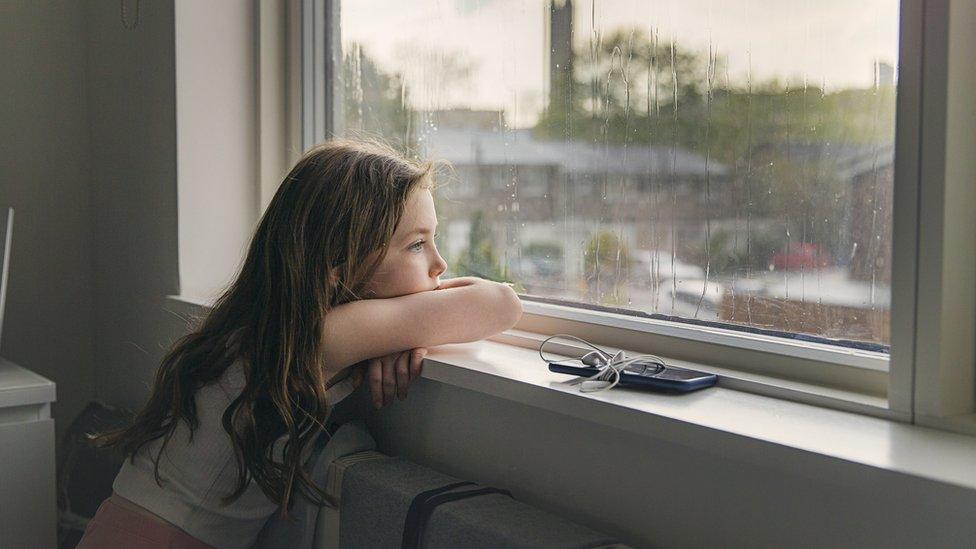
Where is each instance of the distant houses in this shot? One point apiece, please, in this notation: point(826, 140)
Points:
point(561, 192)
point(543, 201)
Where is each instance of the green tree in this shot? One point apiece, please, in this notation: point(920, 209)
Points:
point(607, 97)
point(634, 88)
point(375, 102)
point(606, 264)
point(752, 252)
point(479, 258)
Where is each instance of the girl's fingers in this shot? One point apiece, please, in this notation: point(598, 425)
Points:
point(416, 362)
point(389, 379)
point(390, 376)
point(375, 376)
point(403, 374)
point(357, 377)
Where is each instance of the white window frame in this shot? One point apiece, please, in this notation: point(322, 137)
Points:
point(929, 377)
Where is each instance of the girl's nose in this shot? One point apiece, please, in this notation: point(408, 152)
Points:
point(439, 265)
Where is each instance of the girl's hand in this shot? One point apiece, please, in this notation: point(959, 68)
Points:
point(390, 375)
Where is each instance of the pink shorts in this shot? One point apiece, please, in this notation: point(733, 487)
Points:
point(115, 526)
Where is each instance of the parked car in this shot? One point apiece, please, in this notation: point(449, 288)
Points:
point(691, 299)
point(658, 264)
point(676, 287)
point(801, 255)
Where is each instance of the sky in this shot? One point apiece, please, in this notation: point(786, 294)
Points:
point(490, 54)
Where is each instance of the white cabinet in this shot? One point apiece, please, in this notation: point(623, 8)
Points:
point(28, 510)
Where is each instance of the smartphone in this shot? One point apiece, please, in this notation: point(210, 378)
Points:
point(644, 374)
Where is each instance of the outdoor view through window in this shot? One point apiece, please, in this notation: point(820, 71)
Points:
point(727, 162)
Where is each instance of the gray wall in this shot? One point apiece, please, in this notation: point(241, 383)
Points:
point(45, 168)
point(132, 105)
point(88, 160)
point(144, 167)
point(727, 492)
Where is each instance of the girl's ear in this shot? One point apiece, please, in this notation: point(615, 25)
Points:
point(334, 276)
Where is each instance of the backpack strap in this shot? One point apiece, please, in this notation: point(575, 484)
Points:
point(423, 505)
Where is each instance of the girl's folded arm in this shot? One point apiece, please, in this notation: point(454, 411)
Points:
point(375, 327)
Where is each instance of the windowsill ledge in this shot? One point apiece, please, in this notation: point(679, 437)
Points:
point(728, 418)
point(700, 418)
point(750, 382)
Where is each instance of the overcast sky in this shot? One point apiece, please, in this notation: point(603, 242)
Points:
point(826, 42)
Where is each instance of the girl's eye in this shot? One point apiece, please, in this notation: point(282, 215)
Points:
point(416, 246)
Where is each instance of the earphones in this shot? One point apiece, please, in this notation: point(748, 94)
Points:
point(609, 366)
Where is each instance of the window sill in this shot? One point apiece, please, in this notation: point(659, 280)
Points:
point(739, 380)
point(509, 368)
point(698, 419)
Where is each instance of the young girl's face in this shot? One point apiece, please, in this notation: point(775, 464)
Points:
point(412, 263)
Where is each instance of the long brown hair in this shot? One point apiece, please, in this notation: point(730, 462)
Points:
point(335, 212)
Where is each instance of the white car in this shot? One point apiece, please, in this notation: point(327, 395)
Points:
point(694, 298)
point(679, 286)
point(658, 265)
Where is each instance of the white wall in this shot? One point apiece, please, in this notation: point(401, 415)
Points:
point(216, 134)
point(44, 175)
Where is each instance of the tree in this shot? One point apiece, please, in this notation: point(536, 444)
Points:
point(633, 88)
point(606, 264)
point(780, 144)
point(375, 102)
point(478, 259)
point(621, 80)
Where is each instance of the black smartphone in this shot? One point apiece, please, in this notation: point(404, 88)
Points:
point(644, 374)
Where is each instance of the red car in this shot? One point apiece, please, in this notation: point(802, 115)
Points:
point(801, 255)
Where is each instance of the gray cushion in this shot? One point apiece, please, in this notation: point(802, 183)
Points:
point(377, 493)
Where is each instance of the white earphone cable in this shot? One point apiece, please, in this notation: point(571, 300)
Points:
point(609, 369)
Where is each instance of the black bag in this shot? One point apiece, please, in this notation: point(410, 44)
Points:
point(85, 472)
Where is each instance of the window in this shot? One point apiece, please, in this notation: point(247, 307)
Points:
point(727, 169)
point(729, 164)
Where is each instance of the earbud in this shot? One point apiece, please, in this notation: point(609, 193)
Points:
point(593, 358)
point(592, 386)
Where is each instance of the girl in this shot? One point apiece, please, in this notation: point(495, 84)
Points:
point(341, 279)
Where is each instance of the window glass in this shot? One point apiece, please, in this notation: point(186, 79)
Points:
point(725, 162)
